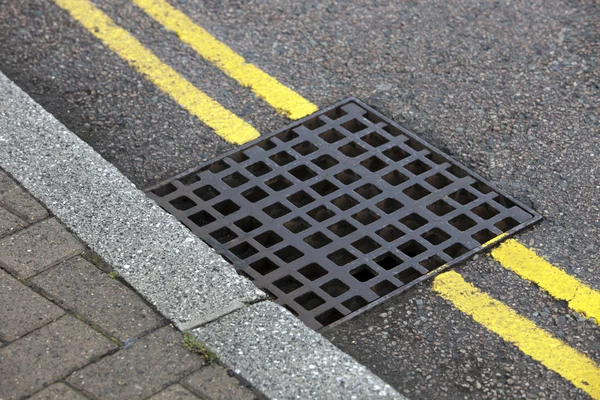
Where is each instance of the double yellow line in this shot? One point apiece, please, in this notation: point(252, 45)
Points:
point(540, 345)
point(222, 121)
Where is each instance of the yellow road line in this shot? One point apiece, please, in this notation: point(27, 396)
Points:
point(282, 98)
point(224, 122)
point(527, 264)
point(569, 363)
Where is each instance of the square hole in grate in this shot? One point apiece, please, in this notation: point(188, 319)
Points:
point(347, 177)
point(383, 288)
point(485, 211)
point(440, 208)
point(462, 222)
point(506, 224)
point(324, 187)
point(164, 190)
point(373, 164)
point(354, 126)
point(342, 228)
point(243, 250)
point(388, 261)
point(366, 245)
point(202, 218)
point(481, 187)
point(504, 202)
point(408, 275)
point(412, 248)
point(278, 183)
point(182, 203)
point(190, 179)
point(264, 266)
point(438, 181)
point(390, 233)
point(416, 192)
point(317, 240)
point(254, 194)
point(325, 161)
point(266, 145)
point(289, 254)
point(259, 168)
point(396, 153)
point(296, 225)
point(207, 192)
point(223, 235)
point(268, 239)
point(331, 136)
point(300, 199)
point(234, 180)
point(352, 149)
point(248, 224)
point(303, 173)
point(341, 257)
point(483, 236)
point(368, 191)
point(238, 157)
point(305, 148)
point(226, 207)
point(355, 303)
point(287, 284)
point(413, 221)
point(394, 178)
point(433, 262)
point(329, 317)
point(287, 135)
point(276, 210)
point(389, 205)
point(344, 202)
point(282, 158)
point(216, 167)
point(320, 213)
point(335, 287)
point(374, 139)
point(456, 250)
point(363, 273)
point(435, 236)
point(366, 216)
point(463, 196)
point(313, 271)
point(417, 167)
point(309, 300)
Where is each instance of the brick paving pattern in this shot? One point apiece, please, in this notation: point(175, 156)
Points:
point(70, 331)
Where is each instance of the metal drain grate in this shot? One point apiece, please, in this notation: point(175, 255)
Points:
point(340, 211)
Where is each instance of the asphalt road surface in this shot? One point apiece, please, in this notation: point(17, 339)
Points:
point(509, 88)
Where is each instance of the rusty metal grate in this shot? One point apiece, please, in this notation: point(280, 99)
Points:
point(340, 211)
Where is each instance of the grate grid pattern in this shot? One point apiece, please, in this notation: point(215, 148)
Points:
point(340, 210)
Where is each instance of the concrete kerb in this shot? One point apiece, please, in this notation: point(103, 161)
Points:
point(186, 280)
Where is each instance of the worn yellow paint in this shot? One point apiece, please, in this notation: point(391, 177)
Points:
point(554, 354)
point(494, 240)
point(527, 264)
point(224, 122)
point(282, 98)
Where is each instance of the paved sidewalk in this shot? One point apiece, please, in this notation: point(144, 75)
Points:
point(69, 329)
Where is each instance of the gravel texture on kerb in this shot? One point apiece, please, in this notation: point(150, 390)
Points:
point(159, 257)
point(265, 343)
point(167, 264)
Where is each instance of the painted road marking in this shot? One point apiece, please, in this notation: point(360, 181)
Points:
point(224, 122)
point(554, 354)
point(282, 98)
point(527, 264)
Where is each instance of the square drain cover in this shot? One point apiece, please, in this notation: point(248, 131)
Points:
point(340, 211)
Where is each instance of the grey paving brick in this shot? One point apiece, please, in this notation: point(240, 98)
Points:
point(175, 392)
point(48, 354)
point(213, 383)
point(9, 222)
point(38, 247)
point(21, 309)
point(58, 391)
point(157, 360)
point(19, 202)
point(103, 301)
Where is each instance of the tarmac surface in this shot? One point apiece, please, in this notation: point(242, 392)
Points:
point(511, 89)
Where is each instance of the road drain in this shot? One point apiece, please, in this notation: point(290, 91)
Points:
point(340, 211)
